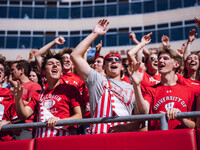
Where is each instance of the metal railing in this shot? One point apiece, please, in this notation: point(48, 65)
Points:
point(162, 117)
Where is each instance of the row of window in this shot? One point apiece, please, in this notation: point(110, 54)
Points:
point(99, 8)
point(110, 39)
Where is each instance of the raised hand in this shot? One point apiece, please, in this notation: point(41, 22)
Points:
point(59, 40)
point(165, 40)
point(180, 52)
point(98, 47)
point(101, 27)
point(135, 74)
point(17, 91)
point(146, 39)
point(192, 35)
point(197, 21)
point(133, 38)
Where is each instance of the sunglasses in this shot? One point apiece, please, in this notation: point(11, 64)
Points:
point(152, 58)
point(118, 60)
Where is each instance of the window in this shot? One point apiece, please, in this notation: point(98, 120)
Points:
point(149, 27)
point(63, 13)
point(136, 8)
point(163, 25)
point(189, 3)
point(3, 12)
point(51, 12)
point(38, 42)
point(123, 8)
point(136, 28)
point(99, 1)
point(175, 4)
point(12, 42)
point(87, 12)
point(189, 22)
point(111, 40)
point(87, 2)
point(111, 10)
point(74, 41)
point(26, 12)
point(161, 33)
point(39, 12)
point(149, 6)
point(24, 42)
point(48, 39)
point(176, 34)
point(75, 12)
point(99, 11)
point(2, 40)
point(14, 12)
point(162, 5)
point(173, 24)
point(123, 39)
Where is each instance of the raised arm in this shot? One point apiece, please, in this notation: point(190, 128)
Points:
point(165, 41)
point(79, 62)
point(192, 36)
point(133, 38)
point(23, 112)
point(43, 51)
point(133, 51)
point(141, 104)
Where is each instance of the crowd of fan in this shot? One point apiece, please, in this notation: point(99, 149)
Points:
point(63, 85)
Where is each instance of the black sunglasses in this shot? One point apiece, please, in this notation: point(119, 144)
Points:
point(116, 59)
point(152, 58)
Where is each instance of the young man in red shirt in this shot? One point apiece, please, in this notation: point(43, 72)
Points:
point(57, 102)
point(168, 96)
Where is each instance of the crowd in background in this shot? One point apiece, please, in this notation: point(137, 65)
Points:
point(63, 85)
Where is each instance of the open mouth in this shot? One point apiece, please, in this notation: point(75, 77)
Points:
point(161, 66)
point(155, 64)
point(54, 71)
point(193, 64)
point(113, 67)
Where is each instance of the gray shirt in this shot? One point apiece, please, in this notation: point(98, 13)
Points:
point(124, 97)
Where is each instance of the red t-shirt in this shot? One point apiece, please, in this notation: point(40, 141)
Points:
point(161, 97)
point(58, 102)
point(149, 80)
point(28, 89)
point(75, 80)
point(193, 84)
point(7, 110)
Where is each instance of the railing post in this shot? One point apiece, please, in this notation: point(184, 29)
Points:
point(163, 122)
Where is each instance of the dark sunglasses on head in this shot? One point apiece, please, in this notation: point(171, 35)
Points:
point(152, 58)
point(111, 59)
